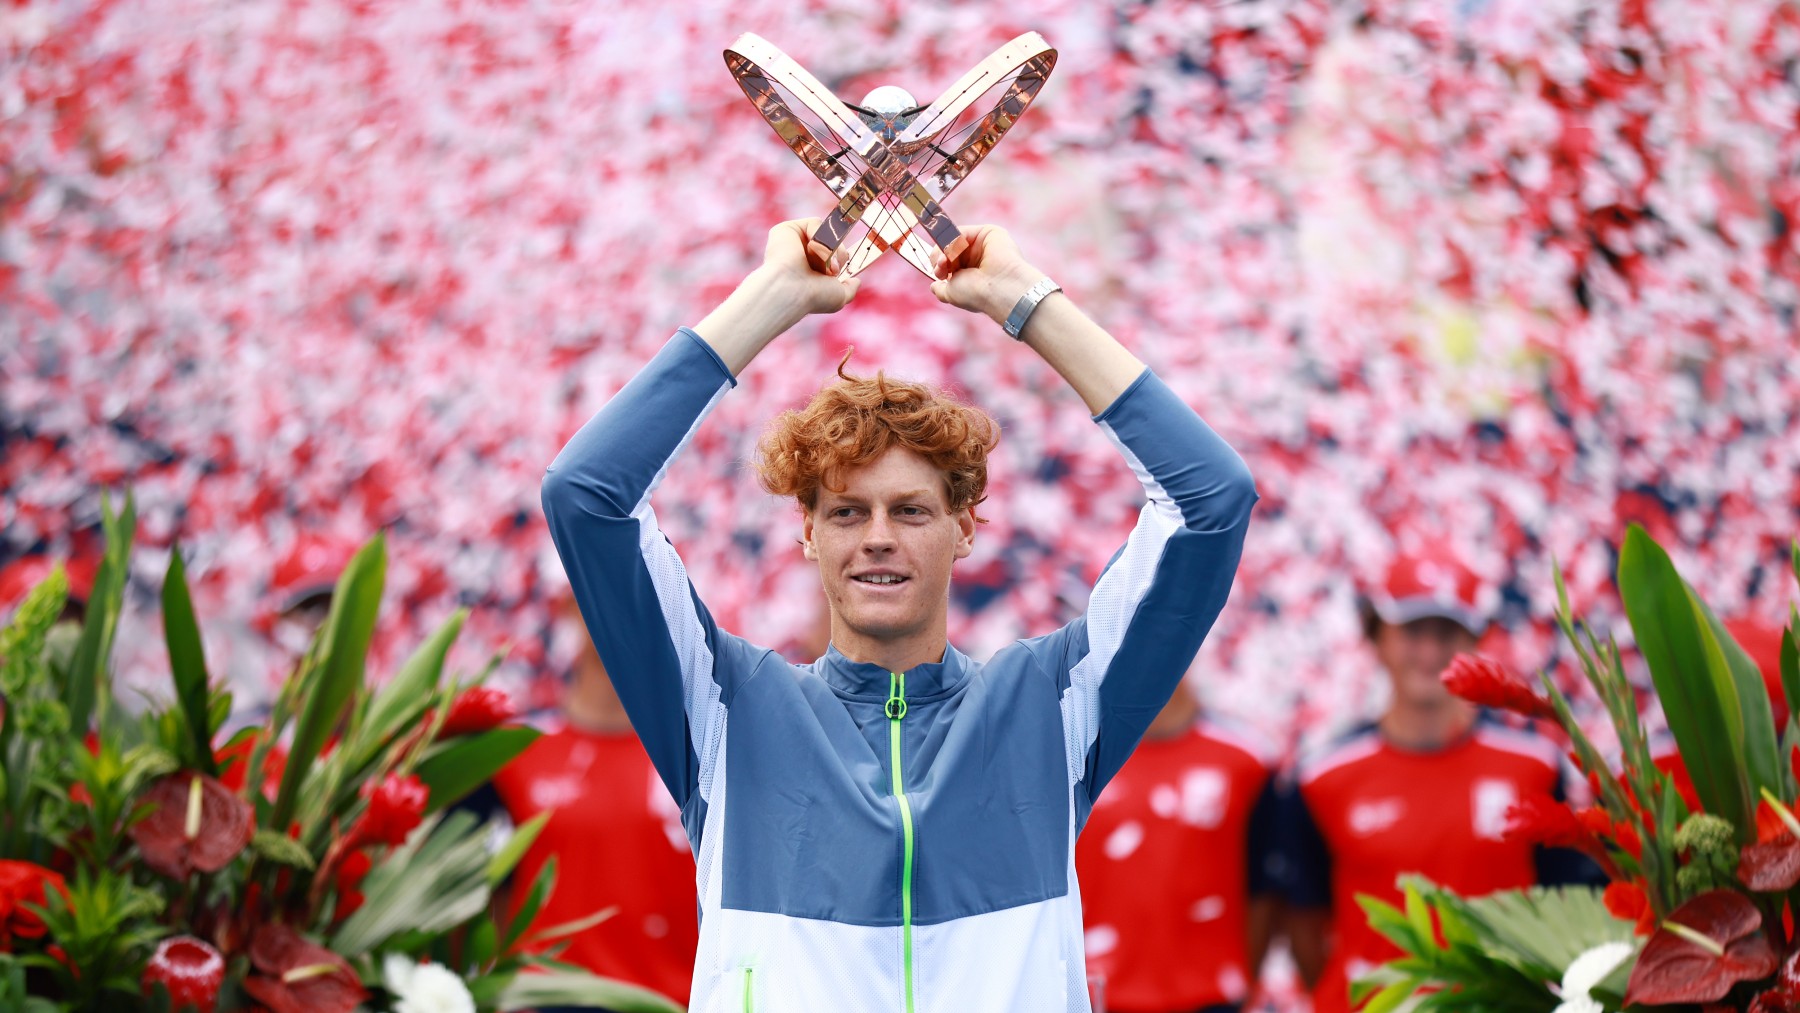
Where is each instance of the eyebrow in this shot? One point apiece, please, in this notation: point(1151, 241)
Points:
point(841, 498)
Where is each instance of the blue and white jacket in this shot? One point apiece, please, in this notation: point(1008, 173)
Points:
point(889, 841)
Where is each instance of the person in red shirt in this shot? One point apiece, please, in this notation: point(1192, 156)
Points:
point(1175, 903)
point(616, 835)
point(1424, 789)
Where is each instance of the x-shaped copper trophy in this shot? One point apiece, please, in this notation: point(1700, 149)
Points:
point(891, 161)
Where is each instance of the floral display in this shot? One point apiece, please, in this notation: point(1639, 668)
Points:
point(134, 876)
point(1700, 880)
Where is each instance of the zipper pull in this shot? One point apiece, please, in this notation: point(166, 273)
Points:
point(896, 701)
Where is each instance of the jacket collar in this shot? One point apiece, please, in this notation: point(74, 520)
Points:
point(864, 681)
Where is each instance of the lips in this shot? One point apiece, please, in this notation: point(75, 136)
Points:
point(879, 579)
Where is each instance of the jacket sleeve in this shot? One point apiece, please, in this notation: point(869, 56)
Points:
point(1120, 661)
point(673, 668)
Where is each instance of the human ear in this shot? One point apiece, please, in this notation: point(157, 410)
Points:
point(806, 537)
point(965, 532)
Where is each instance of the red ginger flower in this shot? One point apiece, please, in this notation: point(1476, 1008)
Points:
point(1540, 819)
point(477, 709)
point(195, 823)
point(297, 976)
point(23, 883)
point(396, 806)
point(191, 970)
point(348, 878)
point(1486, 682)
point(1627, 901)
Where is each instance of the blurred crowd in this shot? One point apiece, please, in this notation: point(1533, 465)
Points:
point(1471, 285)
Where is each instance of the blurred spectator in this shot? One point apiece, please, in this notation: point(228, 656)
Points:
point(615, 833)
point(1177, 910)
point(1423, 789)
point(298, 598)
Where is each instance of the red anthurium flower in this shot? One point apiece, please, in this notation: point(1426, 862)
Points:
point(1627, 901)
point(23, 883)
point(1706, 946)
point(477, 709)
point(1486, 682)
point(1773, 862)
point(297, 976)
point(396, 805)
point(195, 823)
point(190, 969)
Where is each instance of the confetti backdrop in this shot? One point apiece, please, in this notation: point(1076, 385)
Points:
point(1503, 273)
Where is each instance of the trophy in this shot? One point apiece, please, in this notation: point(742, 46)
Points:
point(890, 161)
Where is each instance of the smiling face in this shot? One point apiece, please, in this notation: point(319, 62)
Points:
point(885, 544)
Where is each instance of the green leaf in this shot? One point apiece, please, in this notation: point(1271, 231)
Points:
point(1698, 693)
point(513, 851)
point(404, 697)
point(342, 647)
point(282, 849)
point(483, 943)
point(571, 988)
point(573, 927)
point(540, 891)
point(1762, 756)
point(187, 663)
point(458, 767)
point(431, 884)
point(1790, 667)
point(93, 652)
point(1391, 997)
point(1419, 915)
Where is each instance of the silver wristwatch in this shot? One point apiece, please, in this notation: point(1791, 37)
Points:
point(1027, 304)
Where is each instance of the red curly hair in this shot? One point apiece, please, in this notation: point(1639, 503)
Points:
point(852, 422)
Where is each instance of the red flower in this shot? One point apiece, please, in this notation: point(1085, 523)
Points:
point(350, 876)
point(1540, 819)
point(23, 883)
point(234, 765)
point(396, 805)
point(298, 976)
point(1675, 767)
point(477, 709)
point(195, 823)
point(1486, 682)
point(190, 969)
point(1773, 862)
point(1627, 901)
point(1706, 946)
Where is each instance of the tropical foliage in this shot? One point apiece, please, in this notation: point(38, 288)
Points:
point(308, 863)
point(1701, 844)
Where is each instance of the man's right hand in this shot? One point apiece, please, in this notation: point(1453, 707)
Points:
point(776, 296)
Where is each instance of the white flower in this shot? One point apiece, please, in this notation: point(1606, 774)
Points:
point(1586, 971)
point(425, 988)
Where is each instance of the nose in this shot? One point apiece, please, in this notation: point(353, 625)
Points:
point(878, 536)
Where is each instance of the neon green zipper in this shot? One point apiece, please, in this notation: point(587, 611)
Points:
point(896, 709)
point(749, 1003)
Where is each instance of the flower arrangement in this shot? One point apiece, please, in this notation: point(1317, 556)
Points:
point(310, 863)
point(1701, 846)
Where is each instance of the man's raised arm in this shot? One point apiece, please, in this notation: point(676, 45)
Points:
point(658, 642)
point(1153, 606)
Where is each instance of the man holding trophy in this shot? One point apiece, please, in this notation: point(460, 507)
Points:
point(891, 827)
